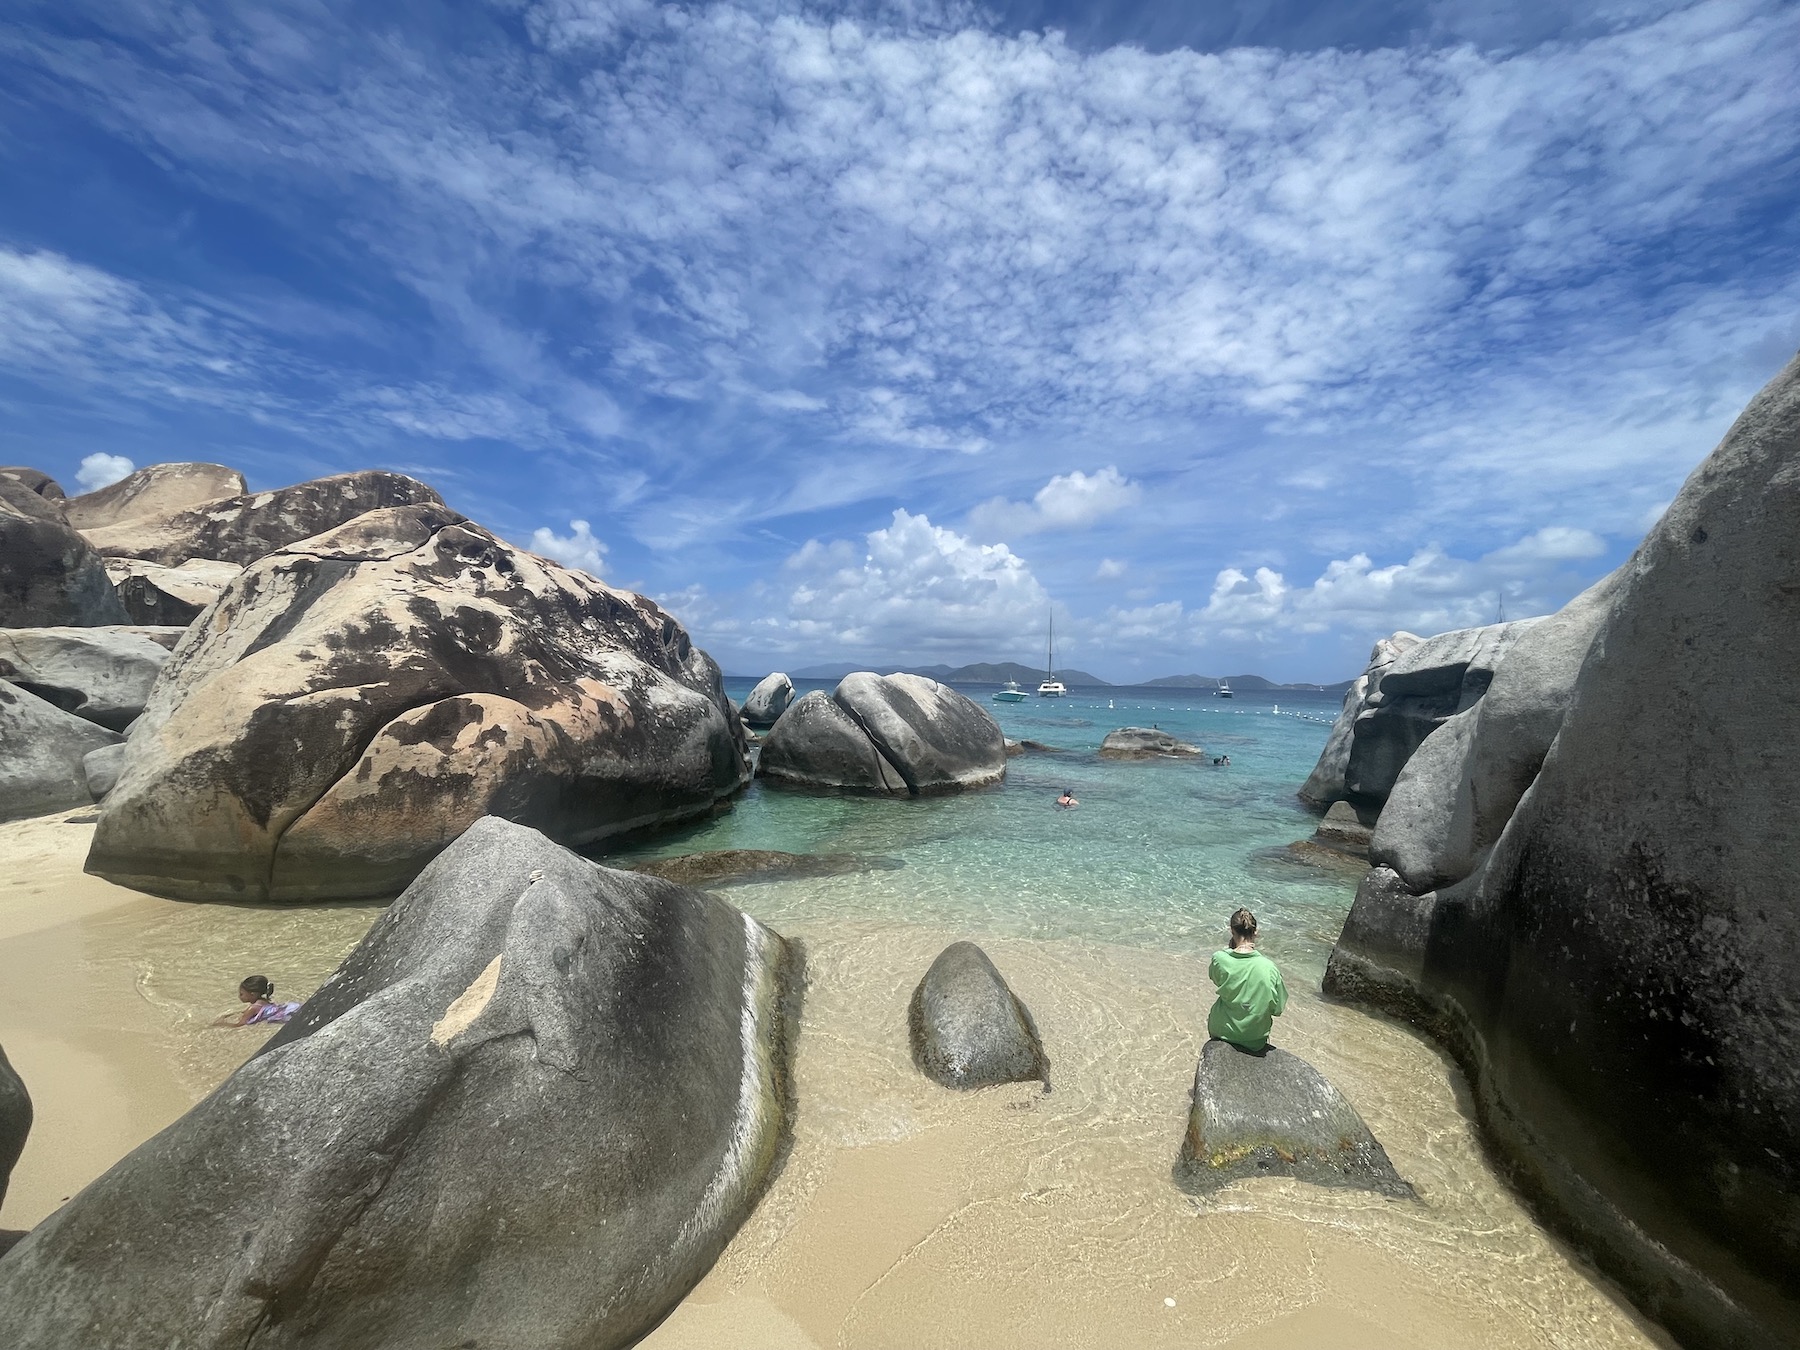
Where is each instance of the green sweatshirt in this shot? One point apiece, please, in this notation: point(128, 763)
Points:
point(1251, 997)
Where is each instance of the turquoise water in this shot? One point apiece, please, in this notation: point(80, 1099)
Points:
point(1157, 856)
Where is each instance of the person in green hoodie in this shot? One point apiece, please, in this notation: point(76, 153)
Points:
point(1251, 994)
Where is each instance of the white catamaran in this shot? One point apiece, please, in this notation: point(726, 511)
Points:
point(1051, 687)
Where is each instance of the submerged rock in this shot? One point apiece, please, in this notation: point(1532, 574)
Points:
point(356, 701)
point(1273, 1114)
point(154, 491)
point(530, 1109)
point(967, 1027)
point(770, 699)
point(154, 594)
point(727, 866)
point(243, 528)
point(890, 734)
point(1343, 829)
point(102, 675)
point(1617, 976)
point(41, 753)
point(1144, 743)
point(51, 575)
point(15, 1120)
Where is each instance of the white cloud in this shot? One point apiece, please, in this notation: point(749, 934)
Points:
point(1068, 501)
point(1111, 569)
point(100, 470)
point(577, 549)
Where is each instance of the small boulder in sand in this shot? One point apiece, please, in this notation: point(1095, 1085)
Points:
point(1274, 1115)
point(969, 1029)
point(1144, 743)
point(15, 1121)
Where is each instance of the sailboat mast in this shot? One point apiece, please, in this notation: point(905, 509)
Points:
point(1050, 650)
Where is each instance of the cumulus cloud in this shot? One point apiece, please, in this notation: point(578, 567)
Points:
point(1068, 501)
point(100, 470)
point(577, 549)
point(1111, 569)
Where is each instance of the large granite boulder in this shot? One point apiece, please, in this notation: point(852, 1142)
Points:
point(15, 1120)
point(35, 481)
point(1325, 784)
point(1618, 976)
point(967, 1027)
point(41, 753)
point(885, 734)
point(530, 1109)
point(168, 596)
point(770, 699)
point(51, 575)
point(1458, 790)
point(354, 702)
point(1273, 1114)
point(1423, 687)
point(243, 528)
point(1144, 743)
point(155, 491)
point(101, 674)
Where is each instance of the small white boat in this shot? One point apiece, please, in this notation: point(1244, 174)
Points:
point(1051, 687)
point(1223, 691)
point(1011, 694)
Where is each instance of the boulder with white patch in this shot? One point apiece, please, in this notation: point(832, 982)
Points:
point(354, 702)
point(893, 734)
point(530, 1109)
point(249, 526)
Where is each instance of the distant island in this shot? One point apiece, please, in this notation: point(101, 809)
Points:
point(999, 672)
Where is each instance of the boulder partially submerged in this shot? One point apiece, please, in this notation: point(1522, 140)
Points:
point(967, 1027)
point(41, 753)
point(732, 866)
point(51, 575)
point(1144, 743)
point(354, 702)
point(253, 525)
point(103, 675)
point(530, 1109)
point(1617, 975)
point(1273, 1114)
point(770, 699)
point(891, 734)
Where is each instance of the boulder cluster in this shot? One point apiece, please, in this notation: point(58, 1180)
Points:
point(1584, 885)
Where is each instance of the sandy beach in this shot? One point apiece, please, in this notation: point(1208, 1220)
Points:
point(905, 1215)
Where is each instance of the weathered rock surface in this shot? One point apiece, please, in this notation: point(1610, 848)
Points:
point(244, 528)
point(1325, 784)
point(729, 866)
point(101, 769)
point(1343, 829)
point(154, 491)
point(356, 701)
point(35, 481)
point(885, 734)
point(1144, 743)
point(473, 1134)
point(102, 675)
point(1273, 1114)
point(1618, 975)
point(770, 699)
point(51, 575)
point(41, 750)
point(1423, 687)
point(15, 1120)
point(968, 1029)
point(168, 596)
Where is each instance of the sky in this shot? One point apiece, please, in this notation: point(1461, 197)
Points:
point(1232, 336)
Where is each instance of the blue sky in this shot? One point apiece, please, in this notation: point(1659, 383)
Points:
point(1237, 335)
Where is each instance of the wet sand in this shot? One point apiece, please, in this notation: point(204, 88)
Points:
point(905, 1215)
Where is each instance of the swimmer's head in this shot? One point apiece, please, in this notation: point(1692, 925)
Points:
point(254, 987)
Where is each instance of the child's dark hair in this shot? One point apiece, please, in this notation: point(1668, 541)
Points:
point(1243, 924)
point(260, 985)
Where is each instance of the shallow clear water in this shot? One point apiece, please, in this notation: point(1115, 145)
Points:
point(1157, 856)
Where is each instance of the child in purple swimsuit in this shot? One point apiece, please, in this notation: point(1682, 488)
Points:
point(259, 992)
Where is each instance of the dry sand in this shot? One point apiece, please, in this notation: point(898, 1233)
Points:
point(905, 1215)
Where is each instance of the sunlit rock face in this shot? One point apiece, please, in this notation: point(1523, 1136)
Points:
point(154, 492)
point(530, 1109)
point(1618, 973)
point(354, 702)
